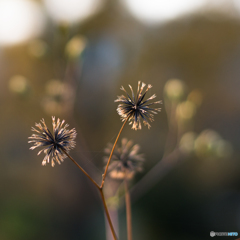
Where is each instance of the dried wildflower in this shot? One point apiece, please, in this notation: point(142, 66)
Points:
point(54, 144)
point(126, 160)
point(136, 108)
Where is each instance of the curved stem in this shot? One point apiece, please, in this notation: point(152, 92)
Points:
point(82, 169)
point(128, 210)
point(107, 214)
point(109, 159)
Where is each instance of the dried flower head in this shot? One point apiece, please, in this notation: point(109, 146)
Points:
point(126, 160)
point(54, 144)
point(136, 108)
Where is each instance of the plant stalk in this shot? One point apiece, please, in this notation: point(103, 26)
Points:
point(109, 159)
point(128, 210)
point(107, 213)
point(101, 193)
point(82, 169)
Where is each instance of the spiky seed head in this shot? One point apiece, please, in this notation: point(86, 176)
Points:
point(126, 160)
point(53, 145)
point(136, 108)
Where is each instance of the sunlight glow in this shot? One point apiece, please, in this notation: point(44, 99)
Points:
point(72, 10)
point(20, 20)
point(237, 5)
point(154, 11)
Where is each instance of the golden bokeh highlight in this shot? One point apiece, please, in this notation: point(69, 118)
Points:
point(18, 84)
point(209, 144)
point(174, 89)
point(186, 110)
point(37, 48)
point(75, 46)
point(186, 144)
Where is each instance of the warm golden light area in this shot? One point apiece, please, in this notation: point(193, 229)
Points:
point(18, 84)
point(159, 11)
point(20, 20)
point(72, 11)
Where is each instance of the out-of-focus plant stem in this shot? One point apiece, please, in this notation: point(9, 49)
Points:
point(128, 210)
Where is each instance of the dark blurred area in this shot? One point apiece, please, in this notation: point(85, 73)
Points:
point(73, 69)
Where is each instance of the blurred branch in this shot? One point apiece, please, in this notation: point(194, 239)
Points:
point(128, 210)
point(160, 170)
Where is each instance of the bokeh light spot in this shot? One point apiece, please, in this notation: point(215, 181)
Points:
point(18, 84)
point(154, 11)
point(75, 46)
point(20, 20)
point(187, 142)
point(37, 48)
point(186, 110)
point(174, 89)
point(72, 10)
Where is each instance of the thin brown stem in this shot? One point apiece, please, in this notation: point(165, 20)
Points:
point(128, 210)
point(101, 193)
point(82, 169)
point(109, 159)
point(107, 214)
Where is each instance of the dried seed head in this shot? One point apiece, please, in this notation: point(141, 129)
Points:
point(126, 160)
point(54, 144)
point(136, 108)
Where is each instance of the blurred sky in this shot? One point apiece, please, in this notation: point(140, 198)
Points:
point(69, 59)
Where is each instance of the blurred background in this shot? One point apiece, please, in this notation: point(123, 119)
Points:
point(69, 59)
